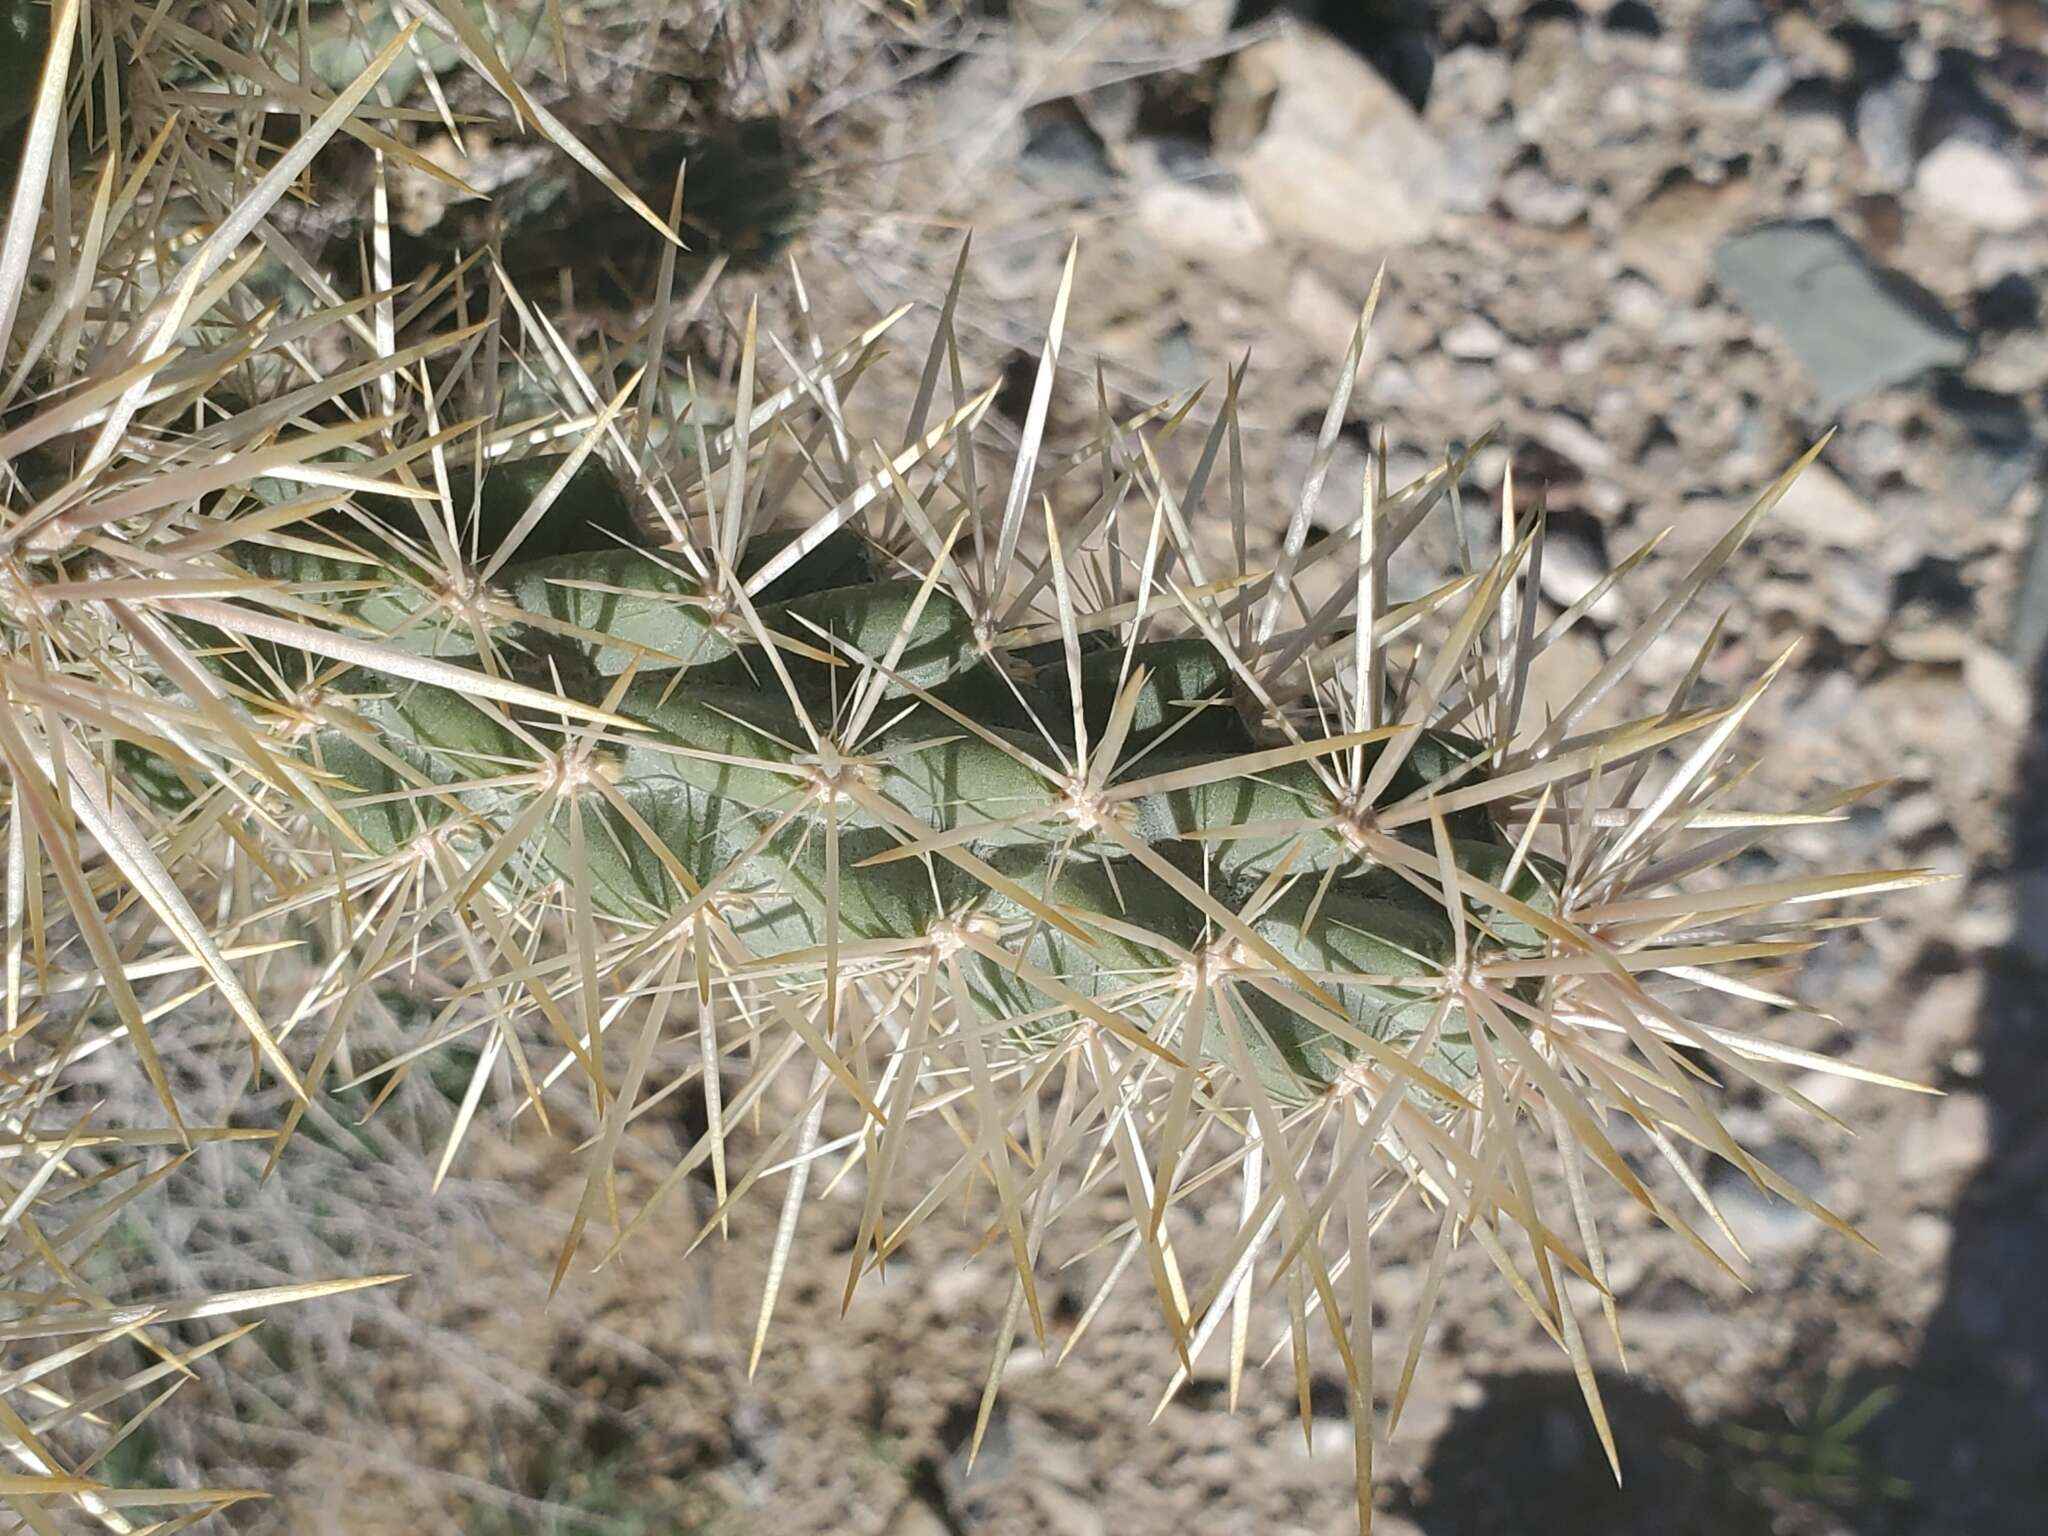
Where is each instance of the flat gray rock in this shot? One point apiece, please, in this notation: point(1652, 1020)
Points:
point(1733, 50)
point(1854, 326)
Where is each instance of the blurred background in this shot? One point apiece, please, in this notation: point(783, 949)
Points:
point(1664, 247)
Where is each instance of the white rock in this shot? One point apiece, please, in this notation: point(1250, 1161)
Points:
point(1474, 157)
point(1855, 599)
point(1821, 506)
point(1764, 1223)
point(1915, 816)
point(1638, 304)
point(1320, 312)
point(1944, 1012)
point(1533, 196)
point(2000, 256)
point(1339, 158)
point(1572, 567)
point(1470, 85)
point(1576, 441)
point(1473, 339)
point(1836, 1094)
point(1996, 684)
point(1948, 1140)
point(1975, 183)
point(1928, 1237)
point(1581, 354)
point(1202, 18)
point(1201, 221)
point(1329, 1437)
point(1990, 919)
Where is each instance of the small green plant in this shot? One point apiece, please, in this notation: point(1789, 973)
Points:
point(901, 774)
point(1812, 1454)
point(1815, 1455)
point(567, 1493)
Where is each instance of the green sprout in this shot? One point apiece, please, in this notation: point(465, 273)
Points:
point(1812, 1454)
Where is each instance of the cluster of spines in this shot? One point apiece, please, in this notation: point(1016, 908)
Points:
point(830, 809)
point(1266, 887)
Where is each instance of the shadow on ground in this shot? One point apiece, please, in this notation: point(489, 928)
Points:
point(1526, 1462)
point(1970, 1428)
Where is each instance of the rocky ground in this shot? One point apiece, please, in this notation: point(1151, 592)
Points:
point(1664, 247)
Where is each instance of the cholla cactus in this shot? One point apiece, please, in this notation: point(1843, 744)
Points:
point(1244, 883)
